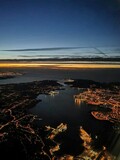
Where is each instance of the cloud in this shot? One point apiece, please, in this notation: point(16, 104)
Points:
point(27, 56)
point(41, 49)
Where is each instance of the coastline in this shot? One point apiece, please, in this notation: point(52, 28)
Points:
point(22, 124)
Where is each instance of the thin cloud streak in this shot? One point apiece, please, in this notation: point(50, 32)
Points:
point(48, 49)
point(43, 49)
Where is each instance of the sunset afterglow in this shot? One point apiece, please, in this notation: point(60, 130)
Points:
point(59, 65)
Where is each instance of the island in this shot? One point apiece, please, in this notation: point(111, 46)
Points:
point(8, 74)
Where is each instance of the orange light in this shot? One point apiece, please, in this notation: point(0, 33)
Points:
point(57, 65)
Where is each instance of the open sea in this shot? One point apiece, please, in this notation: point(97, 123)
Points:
point(33, 74)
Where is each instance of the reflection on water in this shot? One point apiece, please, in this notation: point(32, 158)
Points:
point(63, 108)
point(78, 101)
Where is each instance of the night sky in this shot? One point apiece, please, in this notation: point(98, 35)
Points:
point(33, 24)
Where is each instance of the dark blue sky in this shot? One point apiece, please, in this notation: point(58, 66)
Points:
point(59, 23)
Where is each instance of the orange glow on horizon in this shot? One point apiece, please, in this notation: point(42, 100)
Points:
point(57, 65)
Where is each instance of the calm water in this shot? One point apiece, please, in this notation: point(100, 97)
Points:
point(33, 74)
point(61, 109)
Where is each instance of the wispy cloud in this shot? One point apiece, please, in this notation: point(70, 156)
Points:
point(27, 56)
point(42, 49)
point(99, 50)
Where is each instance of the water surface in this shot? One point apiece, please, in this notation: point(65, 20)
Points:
point(61, 108)
point(33, 74)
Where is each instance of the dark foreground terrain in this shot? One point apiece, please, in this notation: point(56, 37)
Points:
point(20, 136)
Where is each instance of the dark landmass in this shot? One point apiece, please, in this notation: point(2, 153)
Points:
point(93, 59)
point(20, 136)
point(7, 75)
point(83, 83)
